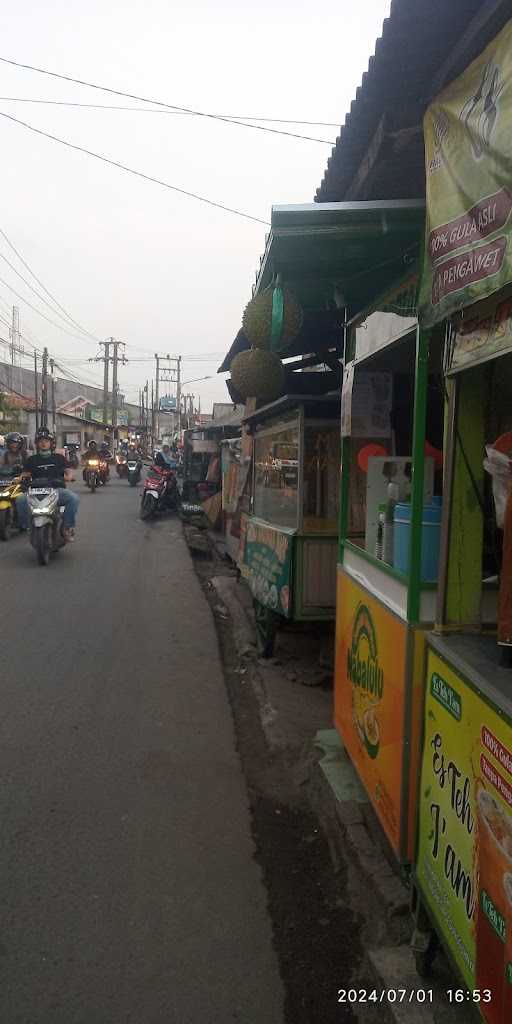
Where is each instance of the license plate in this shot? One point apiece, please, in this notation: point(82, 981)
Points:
point(40, 490)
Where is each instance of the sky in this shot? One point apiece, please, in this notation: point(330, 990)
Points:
point(128, 258)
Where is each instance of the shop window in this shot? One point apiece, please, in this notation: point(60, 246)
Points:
point(321, 478)
point(276, 473)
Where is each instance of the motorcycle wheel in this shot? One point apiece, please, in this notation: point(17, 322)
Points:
point(5, 524)
point(132, 480)
point(42, 544)
point(148, 506)
point(91, 483)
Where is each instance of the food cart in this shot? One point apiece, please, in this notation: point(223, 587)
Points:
point(289, 539)
point(389, 542)
point(463, 863)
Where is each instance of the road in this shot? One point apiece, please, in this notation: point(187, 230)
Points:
point(129, 889)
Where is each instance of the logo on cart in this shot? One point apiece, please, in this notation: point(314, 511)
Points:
point(367, 678)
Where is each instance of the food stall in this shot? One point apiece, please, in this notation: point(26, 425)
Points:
point(289, 545)
point(391, 424)
point(462, 879)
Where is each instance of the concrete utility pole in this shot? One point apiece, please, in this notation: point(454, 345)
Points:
point(157, 397)
point(178, 392)
point(36, 396)
point(106, 345)
point(52, 382)
point(152, 414)
point(14, 344)
point(44, 390)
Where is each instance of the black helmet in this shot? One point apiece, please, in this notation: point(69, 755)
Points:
point(92, 445)
point(43, 434)
point(14, 438)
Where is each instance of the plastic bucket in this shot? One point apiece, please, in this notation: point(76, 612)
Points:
point(430, 539)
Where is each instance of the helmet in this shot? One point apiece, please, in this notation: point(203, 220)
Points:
point(92, 445)
point(43, 434)
point(14, 438)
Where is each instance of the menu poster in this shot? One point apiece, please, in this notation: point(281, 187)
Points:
point(464, 857)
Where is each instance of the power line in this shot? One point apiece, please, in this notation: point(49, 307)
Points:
point(130, 170)
point(167, 110)
point(38, 311)
point(43, 286)
point(34, 290)
point(161, 103)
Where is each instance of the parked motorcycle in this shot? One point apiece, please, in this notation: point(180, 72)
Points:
point(46, 522)
point(92, 474)
point(160, 492)
point(10, 488)
point(134, 468)
point(121, 464)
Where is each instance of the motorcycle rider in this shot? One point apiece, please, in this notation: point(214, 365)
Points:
point(13, 454)
point(51, 469)
point(91, 452)
point(165, 458)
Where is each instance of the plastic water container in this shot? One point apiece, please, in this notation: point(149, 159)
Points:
point(431, 538)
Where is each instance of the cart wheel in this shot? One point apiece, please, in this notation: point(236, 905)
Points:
point(424, 958)
point(267, 624)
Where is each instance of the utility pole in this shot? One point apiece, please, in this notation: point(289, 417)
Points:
point(44, 390)
point(115, 396)
point(36, 396)
point(157, 396)
point(106, 345)
point(178, 393)
point(152, 415)
point(14, 344)
point(52, 381)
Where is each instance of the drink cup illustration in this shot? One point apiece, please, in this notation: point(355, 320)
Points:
point(493, 940)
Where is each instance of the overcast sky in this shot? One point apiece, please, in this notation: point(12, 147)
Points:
point(124, 256)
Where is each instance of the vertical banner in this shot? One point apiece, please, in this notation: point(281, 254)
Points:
point(464, 856)
point(371, 652)
point(468, 155)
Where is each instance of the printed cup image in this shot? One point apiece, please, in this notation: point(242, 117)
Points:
point(507, 1004)
point(371, 732)
point(493, 914)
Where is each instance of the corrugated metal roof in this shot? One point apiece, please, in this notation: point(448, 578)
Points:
point(379, 151)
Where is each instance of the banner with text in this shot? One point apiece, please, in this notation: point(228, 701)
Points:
point(468, 153)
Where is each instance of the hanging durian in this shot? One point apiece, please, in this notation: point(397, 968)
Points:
point(257, 320)
point(258, 374)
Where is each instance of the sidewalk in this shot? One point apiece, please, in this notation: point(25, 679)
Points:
point(294, 696)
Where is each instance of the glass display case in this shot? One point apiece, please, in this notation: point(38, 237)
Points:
point(290, 537)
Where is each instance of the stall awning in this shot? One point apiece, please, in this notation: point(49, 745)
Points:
point(355, 250)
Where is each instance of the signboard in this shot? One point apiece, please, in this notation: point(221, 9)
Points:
point(483, 337)
point(95, 412)
point(464, 859)
point(469, 195)
point(267, 565)
point(371, 650)
point(366, 403)
point(205, 447)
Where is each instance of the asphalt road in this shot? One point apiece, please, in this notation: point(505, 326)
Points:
point(129, 889)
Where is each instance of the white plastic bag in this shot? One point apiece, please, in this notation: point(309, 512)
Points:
point(500, 468)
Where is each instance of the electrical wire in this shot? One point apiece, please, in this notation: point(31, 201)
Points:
point(156, 110)
point(43, 286)
point(34, 290)
point(38, 311)
point(161, 103)
point(130, 170)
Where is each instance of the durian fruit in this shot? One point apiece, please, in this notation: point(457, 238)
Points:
point(257, 319)
point(258, 374)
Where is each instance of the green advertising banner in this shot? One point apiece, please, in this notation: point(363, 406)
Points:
point(464, 855)
point(468, 156)
point(267, 565)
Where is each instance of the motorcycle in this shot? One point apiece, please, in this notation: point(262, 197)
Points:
point(10, 488)
point(92, 474)
point(121, 465)
point(134, 467)
point(71, 452)
point(160, 492)
point(103, 472)
point(46, 522)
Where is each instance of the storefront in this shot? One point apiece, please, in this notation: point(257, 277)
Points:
point(463, 862)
